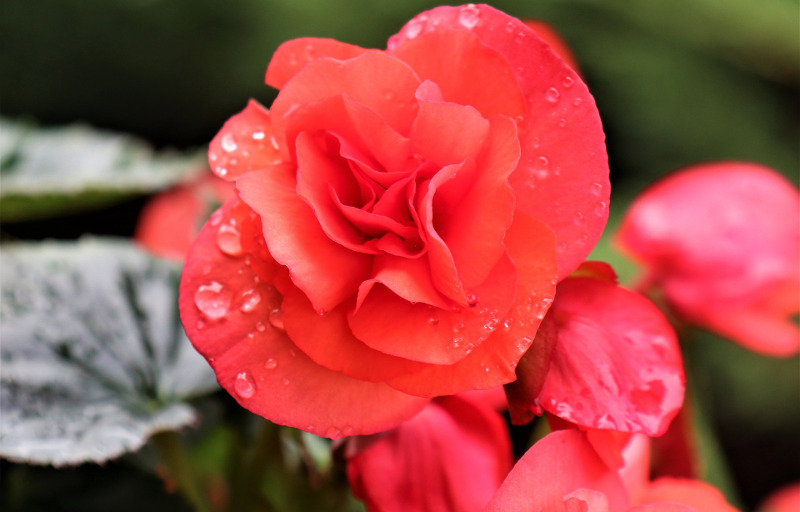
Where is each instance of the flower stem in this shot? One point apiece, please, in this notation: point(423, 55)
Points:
point(177, 463)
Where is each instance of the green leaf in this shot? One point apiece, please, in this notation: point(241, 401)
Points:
point(94, 357)
point(51, 171)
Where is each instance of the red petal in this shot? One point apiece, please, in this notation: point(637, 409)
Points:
point(563, 175)
point(585, 500)
point(374, 79)
point(447, 133)
point(664, 507)
point(693, 493)
point(294, 55)
point(785, 499)
point(617, 364)
point(552, 38)
point(478, 205)
point(225, 309)
point(328, 341)
point(450, 59)
point(326, 272)
point(559, 464)
point(451, 456)
point(736, 271)
point(388, 323)
point(530, 245)
point(244, 143)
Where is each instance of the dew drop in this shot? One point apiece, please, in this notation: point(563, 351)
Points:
point(568, 82)
point(258, 135)
point(508, 323)
point(333, 433)
point(597, 189)
point(578, 219)
point(250, 299)
point(433, 320)
point(229, 240)
point(509, 27)
point(271, 364)
point(472, 300)
point(260, 327)
point(200, 324)
point(601, 208)
point(213, 300)
point(562, 123)
point(552, 95)
point(469, 16)
point(413, 29)
point(228, 143)
point(273, 142)
point(285, 382)
point(348, 430)
point(577, 102)
point(221, 171)
point(276, 318)
point(244, 385)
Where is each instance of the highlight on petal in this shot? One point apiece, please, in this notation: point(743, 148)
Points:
point(453, 455)
point(562, 178)
point(616, 364)
point(556, 466)
point(736, 272)
point(231, 315)
point(246, 142)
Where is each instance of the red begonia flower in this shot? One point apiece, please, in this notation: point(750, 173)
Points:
point(453, 455)
point(722, 242)
point(563, 473)
point(415, 209)
point(614, 363)
point(171, 220)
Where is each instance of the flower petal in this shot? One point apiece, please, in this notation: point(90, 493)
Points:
point(530, 245)
point(557, 465)
point(326, 272)
point(562, 179)
point(225, 308)
point(617, 364)
point(294, 55)
point(694, 493)
point(244, 143)
point(429, 463)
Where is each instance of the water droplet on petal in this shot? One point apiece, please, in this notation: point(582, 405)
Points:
point(213, 300)
point(250, 299)
point(271, 364)
point(333, 433)
point(472, 300)
point(220, 171)
point(228, 143)
point(258, 135)
point(260, 327)
point(568, 82)
point(601, 208)
point(244, 385)
point(433, 320)
point(596, 188)
point(348, 430)
point(562, 123)
point(413, 29)
point(469, 16)
point(229, 240)
point(577, 102)
point(276, 318)
point(552, 95)
point(578, 218)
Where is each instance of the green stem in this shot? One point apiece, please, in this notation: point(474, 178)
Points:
point(175, 459)
point(246, 487)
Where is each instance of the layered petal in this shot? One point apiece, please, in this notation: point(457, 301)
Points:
point(693, 493)
point(562, 178)
point(617, 364)
point(226, 310)
point(294, 55)
point(429, 463)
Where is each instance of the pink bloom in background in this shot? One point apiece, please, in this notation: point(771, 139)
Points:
point(565, 472)
point(170, 221)
point(452, 456)
point(614, 361)
point(402, 219)
point(722, 243)
point(786, 499)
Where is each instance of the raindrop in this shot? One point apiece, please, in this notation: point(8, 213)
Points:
point(213, 300)
point(250, 299)
point(258, 135)
point(457, 341)
point(285, 382)
point(568, 82)
point(552, 95)
point(228, 143)
point(433, 320)
point(600, 208)
point(333, 433)
point(413, 29)
point(508, 323)
point(472, 300)
point(229, 240)
point(509, 27)
point(273, 142)
point(200, 324)
point(244, 385)
point(348, 430)
point(221, 171)
point(271, 364)
point(578, 218)
point(276, 318)
point(469, 16)
point(260, 327)
point(562, 122)
point(597, 189)
point(577, 102)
